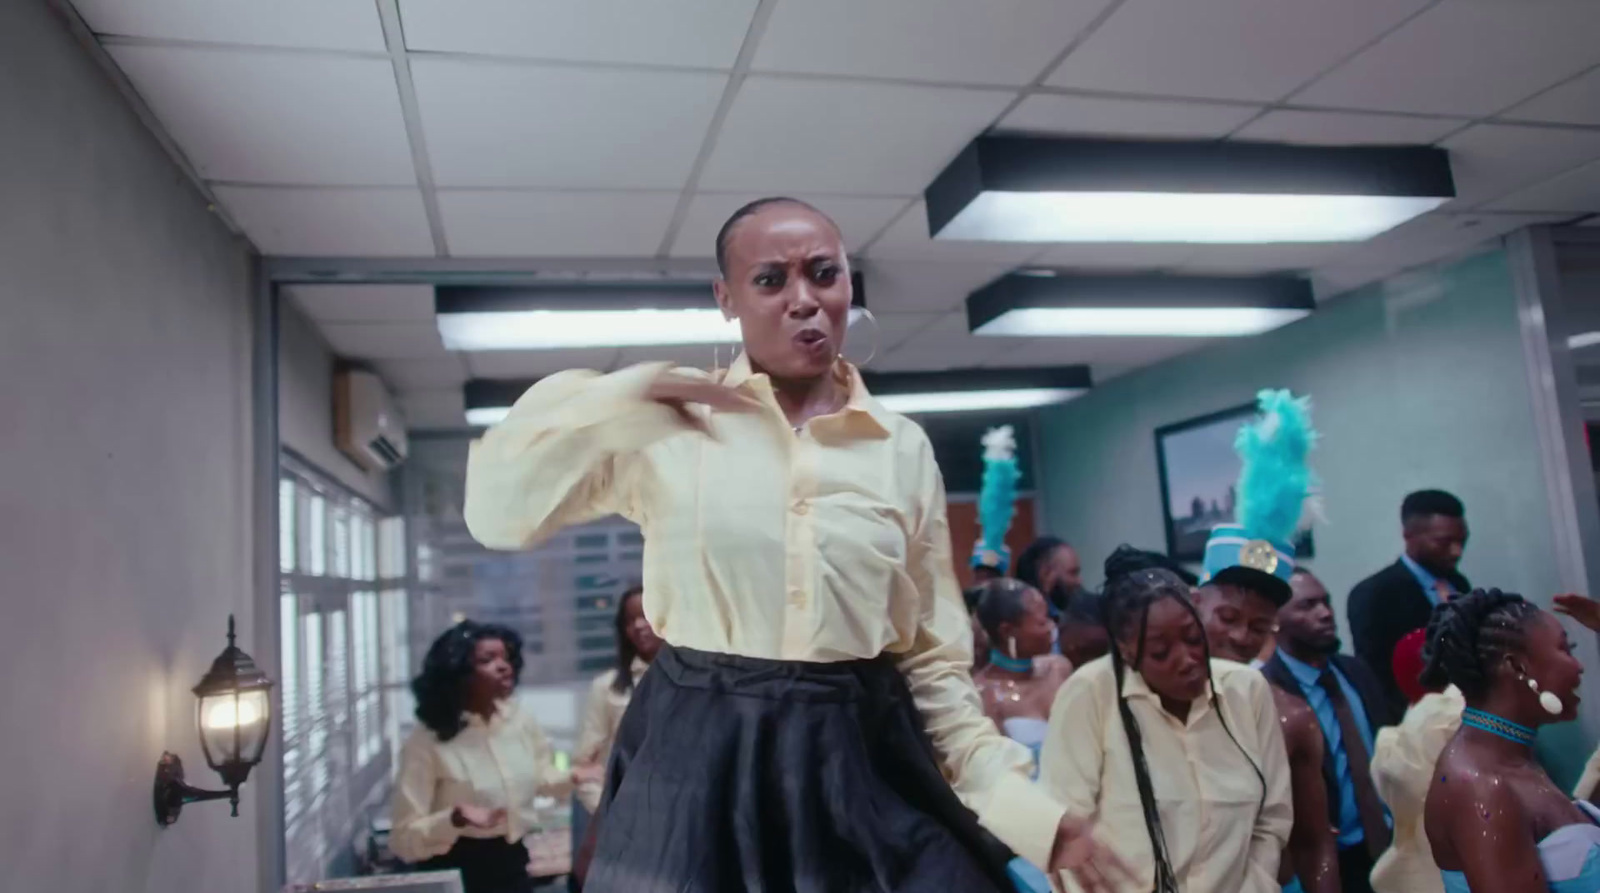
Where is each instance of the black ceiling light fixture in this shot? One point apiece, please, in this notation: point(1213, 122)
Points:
point(570, 315)
point(977, 390)
point(1048, 189)
point(1055, 303)
point(235, 715)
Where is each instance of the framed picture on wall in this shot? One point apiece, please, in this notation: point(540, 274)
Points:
point(1199, 472)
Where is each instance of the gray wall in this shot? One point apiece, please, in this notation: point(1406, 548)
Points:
point(1416, 382)
point(305, 405)
point(125, 530)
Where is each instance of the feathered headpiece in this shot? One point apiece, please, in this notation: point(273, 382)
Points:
point(1272, 500)
point(997, 499)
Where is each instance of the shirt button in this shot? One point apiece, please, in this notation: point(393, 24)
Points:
point(800, 507)
point(797, 599)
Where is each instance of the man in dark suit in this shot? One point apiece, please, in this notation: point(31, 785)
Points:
point(1393, 602)
point(1350, 706)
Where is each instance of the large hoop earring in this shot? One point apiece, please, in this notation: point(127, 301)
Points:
point(877, 332)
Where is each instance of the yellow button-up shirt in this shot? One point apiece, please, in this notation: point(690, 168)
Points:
point(1222, 835)
point(503, 763)
point(825, 544)
point(602, 713)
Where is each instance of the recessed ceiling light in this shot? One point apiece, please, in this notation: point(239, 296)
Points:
point(1040, 189)
point(1074, 305)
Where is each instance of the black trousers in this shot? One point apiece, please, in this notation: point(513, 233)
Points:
point(1355, 869)
point(731, 774)
point(490, 865)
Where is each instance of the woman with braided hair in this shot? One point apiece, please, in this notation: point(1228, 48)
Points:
point(1180, 757)
point(1495, 821)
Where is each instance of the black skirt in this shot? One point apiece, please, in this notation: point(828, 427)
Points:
point(487, 865)
point(732, 774)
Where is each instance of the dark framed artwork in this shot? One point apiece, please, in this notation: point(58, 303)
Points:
point(1199, 472)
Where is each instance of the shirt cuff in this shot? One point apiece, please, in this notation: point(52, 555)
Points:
point(435, 833)
point(1024, 817)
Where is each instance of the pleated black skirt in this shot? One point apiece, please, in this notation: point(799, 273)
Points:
point(737, 775)
point(487, 865)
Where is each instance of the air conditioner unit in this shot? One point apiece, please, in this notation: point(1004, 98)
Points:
point(367, 425)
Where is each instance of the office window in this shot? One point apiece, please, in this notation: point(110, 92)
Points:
point(286, 525)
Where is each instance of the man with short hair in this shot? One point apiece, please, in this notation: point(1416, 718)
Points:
point(1350, 706)
point(1399, 599)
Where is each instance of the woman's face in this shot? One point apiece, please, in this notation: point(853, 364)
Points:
point(638, 629)
point(788, 284)
point(493, 677)
point(1551, 664)
point(1033, 632)
point(1174, 660)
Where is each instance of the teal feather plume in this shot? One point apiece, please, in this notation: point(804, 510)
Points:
point(998, 496)
point(1275, 480)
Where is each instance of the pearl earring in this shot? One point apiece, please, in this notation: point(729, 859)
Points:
point(1548, 700)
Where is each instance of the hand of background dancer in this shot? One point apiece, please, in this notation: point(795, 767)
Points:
point(586, 773)
point(677, 390)
point(468, 816)
point(1581, 608)
point(1093, 865)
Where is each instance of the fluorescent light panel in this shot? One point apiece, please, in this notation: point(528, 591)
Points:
point(1029, 304)
point(484, 416)
point(977, 390)
point(1042, 189)
point(977, 401)
point(1217, 218)
point(1582, 340)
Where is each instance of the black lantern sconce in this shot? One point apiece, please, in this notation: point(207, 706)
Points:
point(235, 714)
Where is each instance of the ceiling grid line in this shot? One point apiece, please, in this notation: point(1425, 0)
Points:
point(1027, 90)
point(730, 92)
point(394, 37)
point(264, 49)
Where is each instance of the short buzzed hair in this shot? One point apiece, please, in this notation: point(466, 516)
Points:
point(746, 210)
point(1427, 503)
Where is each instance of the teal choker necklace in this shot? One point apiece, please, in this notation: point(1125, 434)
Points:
point(1005, 661)
point(1472, 717)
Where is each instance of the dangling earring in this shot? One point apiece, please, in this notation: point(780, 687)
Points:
point(1548, 700)
point(864, 313)
point(1011, 646)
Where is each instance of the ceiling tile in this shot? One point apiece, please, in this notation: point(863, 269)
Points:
point(1575, 192)
point(954, 41)
point(1252, 259)
point(276, 117)
point(1574, 102)
point(539, 363)
point(927, 287)
point(1053, 113)
point(945, 344)
point(907, 239)
point(1226, 49)
point(384, 340)
point(1116, 255)
point(1466, 57)
point(894, 329)
point(484, 223)
point(877, 139)
point(690, 33)
point(1490, 160)
point(310, 24)
point(434, 408)
point(330, 222)
point(1427, 239)
point(503, 124)
point(1347, 128)
point(859, 219)
point(412, 375)
point(364, 303)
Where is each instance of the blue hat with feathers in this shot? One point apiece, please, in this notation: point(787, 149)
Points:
point(1275, 485)
point(997, 498)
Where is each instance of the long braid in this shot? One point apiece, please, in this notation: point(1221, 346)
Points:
point(1468, 634)
point(1131, 586)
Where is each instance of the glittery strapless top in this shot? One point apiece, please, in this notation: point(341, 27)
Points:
point(1570, 855)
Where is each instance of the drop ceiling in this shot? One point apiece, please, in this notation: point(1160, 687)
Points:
point(622, 132)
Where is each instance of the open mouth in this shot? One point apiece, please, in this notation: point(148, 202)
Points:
point(811, 339)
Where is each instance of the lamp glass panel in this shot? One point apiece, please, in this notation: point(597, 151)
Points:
point(220, 714)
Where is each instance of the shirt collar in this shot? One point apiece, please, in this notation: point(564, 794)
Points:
point(1304, 673)
point(502, 712)
point(1430, 583)
point(862, 414)
point(1134, 686)
point(638, 668)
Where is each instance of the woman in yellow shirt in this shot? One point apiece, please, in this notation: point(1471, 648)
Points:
point(609, 695)
point(1179, 756)
point(811, 723)
point(469, 774)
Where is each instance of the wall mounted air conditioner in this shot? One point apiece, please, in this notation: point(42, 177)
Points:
point(368, 426)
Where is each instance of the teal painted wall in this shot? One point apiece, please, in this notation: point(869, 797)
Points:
point(1416, 382)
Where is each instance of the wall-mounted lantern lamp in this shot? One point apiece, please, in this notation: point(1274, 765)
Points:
point(235, 714)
